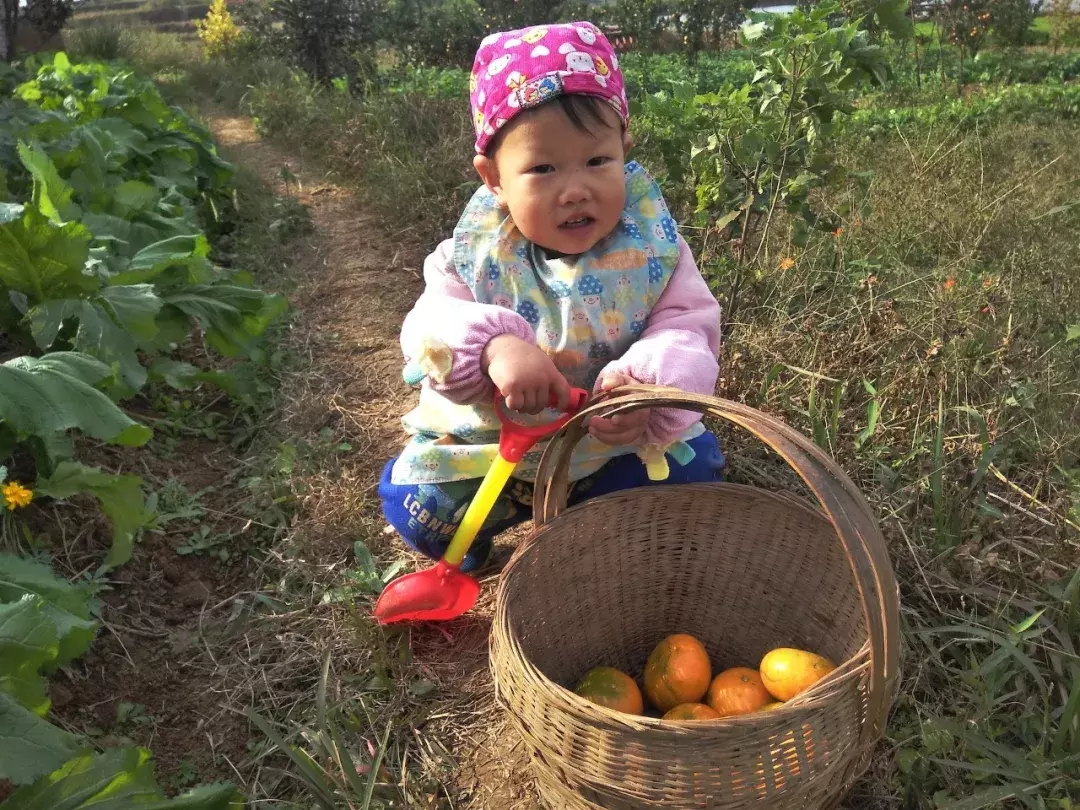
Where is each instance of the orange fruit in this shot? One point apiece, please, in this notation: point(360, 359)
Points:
point(776, 704)
point(691, 711)
point(786, 671)
point(678, 671)
point(607, 686)
point(738, 690)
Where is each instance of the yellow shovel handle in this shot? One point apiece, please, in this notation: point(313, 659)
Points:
point(482, 503)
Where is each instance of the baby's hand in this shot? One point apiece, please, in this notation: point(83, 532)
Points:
point(624, 428)
point(524, 374)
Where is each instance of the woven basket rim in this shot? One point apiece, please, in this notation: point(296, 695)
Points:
point(841, 503)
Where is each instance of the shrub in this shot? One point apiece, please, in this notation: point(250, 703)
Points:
point(218, 31)
point(326, 38)
point(641, 19)
point(1011, 20)
point(104, 43)
point(446, 32)
point(1064, 25)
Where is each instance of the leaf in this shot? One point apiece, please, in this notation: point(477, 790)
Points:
point(153, 260)
point(233, 317)
point(27, 643)
point(112, 327)
point(30, 746)
point(121, 500)
point(20, 576)
point(1072, 333)
point(892, 15)
point(63, 604)
point(136, 195)
point(43, 260)
point(54, 393)
point(239, 381)
point(120, 779)
point(366, 574)
point(52, 195)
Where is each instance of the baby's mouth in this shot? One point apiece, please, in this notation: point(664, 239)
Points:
point(577, 222)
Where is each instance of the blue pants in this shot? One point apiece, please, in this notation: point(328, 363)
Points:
point(426, 515)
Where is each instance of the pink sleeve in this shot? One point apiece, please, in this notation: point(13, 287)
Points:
point(678, 348)
point(447, 312)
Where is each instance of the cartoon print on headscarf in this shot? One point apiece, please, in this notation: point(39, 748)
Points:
point(588, 36)
point(580, 62)
point(534, 35)
point(499, 65)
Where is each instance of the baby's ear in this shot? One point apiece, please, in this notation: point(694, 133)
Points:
point(627, 141)
point(489, 173)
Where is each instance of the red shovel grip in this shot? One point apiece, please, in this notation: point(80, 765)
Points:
point(516, 440)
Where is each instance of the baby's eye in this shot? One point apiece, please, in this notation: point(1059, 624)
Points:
point(543, 168)
point(599, 161)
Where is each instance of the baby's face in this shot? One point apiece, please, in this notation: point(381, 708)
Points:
point(564, 187)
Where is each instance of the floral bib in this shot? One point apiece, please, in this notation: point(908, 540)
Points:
point(586, 311)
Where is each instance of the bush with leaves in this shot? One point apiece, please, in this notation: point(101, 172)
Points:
point(1064, 25)
point(48, 16)
point(442, 32)
point(503, 15)
point(965, 24)
point(46, 623)
point(218, 30)
point(326, 38)
point(104, 272)
point(706, 23)
point(1010, 21)
point(757, 150)
point(644, 20)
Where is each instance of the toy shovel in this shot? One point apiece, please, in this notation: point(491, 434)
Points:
point(443, 592)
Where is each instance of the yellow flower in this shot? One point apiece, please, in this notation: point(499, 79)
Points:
point(787, 264)
point(16, 495)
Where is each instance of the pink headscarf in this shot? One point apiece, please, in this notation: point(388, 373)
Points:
point(516, 70)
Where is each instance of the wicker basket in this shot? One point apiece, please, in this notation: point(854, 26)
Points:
point(743, 570)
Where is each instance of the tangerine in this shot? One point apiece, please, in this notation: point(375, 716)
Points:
point(607, 686)
point(787, 671)
point(691, 711)
point(678, 671)
point(738, 690)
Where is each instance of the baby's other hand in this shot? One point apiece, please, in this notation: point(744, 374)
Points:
point(624, 428)
point(525, 375)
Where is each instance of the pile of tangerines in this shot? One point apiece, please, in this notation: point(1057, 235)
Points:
point(680, 685)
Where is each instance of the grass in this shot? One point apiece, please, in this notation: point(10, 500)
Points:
point(931, 347)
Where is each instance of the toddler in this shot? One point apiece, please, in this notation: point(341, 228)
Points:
point(565, 269)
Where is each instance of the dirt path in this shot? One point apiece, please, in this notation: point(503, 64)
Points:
point(354, 287)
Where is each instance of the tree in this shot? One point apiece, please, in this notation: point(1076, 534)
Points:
point(46, 16)
point(1064, 25)
point(9, 26)
point(702, 23)
point(324, 37)
point(1011, 20)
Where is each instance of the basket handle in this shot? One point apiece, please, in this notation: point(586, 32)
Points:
point(842, 502)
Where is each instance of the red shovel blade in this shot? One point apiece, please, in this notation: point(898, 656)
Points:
point(435, 594)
